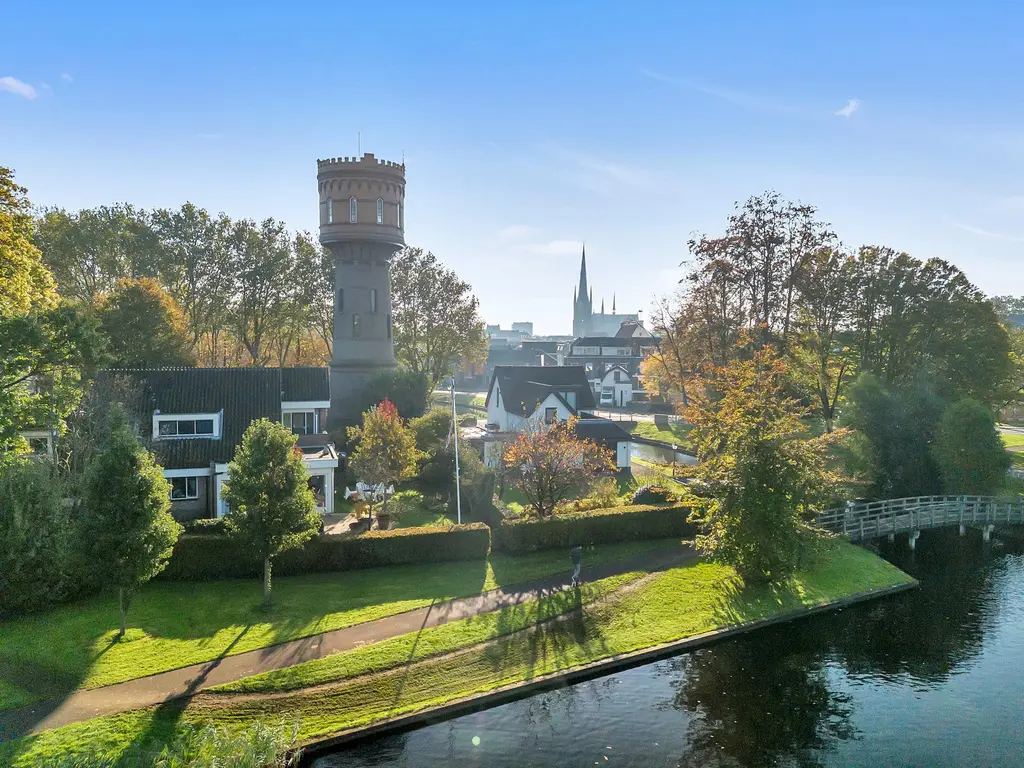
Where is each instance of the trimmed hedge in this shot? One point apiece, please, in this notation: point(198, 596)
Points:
point(209, 557)
point(206, 525)
point(599, 526)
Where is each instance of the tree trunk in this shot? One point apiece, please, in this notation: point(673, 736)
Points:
point(266, 582)
point(122, 605)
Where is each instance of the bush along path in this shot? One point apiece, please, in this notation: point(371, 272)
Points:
point(186, 681)
point(557, 638)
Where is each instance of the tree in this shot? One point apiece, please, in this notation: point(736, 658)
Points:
point(970, 454)
point(89, 251)
point(894, 433)
point(36, 538)
point(408, 390)
point(45, 347)
point(191, 265)
point(125, 526)
point(550, 464)
point(271, 507)
point(436, 319)
point(385, 447)
point(764, 480)
point(145, 326)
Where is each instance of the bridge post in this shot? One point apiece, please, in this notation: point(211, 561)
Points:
point(963, 529)
point(892, 536)
point(986, 532)
point(912, 539)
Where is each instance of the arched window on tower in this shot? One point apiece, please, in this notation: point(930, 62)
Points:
point(357, 326)
point(380, 210)
point(398, 215)
point(352, 210)
point(330, 211)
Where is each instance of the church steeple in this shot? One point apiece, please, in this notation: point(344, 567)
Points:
point(613, 303)
point(583, 274)
point(602, 306)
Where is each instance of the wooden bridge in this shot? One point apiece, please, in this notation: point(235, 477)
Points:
point(873, 519)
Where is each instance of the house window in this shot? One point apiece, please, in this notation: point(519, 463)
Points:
point(330, 211)
point(352, 213)
point(398, 214)
point(184, 488)
point(550, 415)
point(190, 427)
point(373, 301)
point(380, 210)
point(570, 398)
point(300, 422)
point(357, 326)
point(39, 446)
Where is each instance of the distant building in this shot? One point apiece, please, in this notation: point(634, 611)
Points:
point(587, 322)
point(612, 363)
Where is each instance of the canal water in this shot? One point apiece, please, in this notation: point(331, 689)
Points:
point(933, 677)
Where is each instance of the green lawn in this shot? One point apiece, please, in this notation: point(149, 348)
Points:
point(675, 604)
point(675, 433)
point(1012, 439)
point(173, 625)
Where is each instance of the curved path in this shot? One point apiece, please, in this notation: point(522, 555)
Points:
point(186, 681)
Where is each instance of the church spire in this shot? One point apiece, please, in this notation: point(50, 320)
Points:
point(583, 276)
point(602, 306)
point(613, 303)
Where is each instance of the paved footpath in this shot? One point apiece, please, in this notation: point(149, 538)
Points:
point(186, 681)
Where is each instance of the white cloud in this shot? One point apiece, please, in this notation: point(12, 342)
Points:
point(518, 232)
point(66, 77)
point(18, 88)
point(852, 105)
point(989, 234)
point(556, 247)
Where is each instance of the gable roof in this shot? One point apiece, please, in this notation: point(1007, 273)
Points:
point(523, 387)
point(242, 394)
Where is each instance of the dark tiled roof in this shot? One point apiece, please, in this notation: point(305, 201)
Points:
point(600, 429)
point(305, 384)
point(524, 386)
point(242, 394)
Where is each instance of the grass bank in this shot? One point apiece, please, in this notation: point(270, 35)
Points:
point(173, 625)
point(378, 682)
point(673, 433)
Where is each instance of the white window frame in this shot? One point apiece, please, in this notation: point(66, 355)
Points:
point(161, 417)
point(39, 434)
point(311, 424)
point(330, 211)
point(194, 479)
point(398, 214)
point(353, 210)
point(380, 210)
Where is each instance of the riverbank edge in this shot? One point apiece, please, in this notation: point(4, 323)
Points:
point(516, 691)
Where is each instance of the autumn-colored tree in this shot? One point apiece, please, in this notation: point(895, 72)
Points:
point(763, 479)
point(145, 326)
point(270, 504)
point(385, 447)
point(550, 464)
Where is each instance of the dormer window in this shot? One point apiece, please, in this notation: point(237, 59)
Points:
point(352, 210)
point(380, 210)
point(181, 426)
point(300, 422)
point(330, 211)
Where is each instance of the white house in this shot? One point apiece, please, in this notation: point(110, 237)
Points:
point(196, 417)
point(615, 388)
point(524, 395)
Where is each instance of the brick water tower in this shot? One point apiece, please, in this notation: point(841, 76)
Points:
point(362, 209)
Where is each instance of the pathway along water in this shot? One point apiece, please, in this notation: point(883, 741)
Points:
point(934, 677)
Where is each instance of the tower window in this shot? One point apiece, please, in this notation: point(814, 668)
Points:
point(352, 216)
point(330, 211)
point(373, 301)
point(357, 326)
point(398, 214)
point(380, 210)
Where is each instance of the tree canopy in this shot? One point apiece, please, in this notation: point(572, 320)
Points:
point(436, 318)
point(968, 450)
point(145, 326)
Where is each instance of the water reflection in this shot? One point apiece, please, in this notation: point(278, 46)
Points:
point(927, 678)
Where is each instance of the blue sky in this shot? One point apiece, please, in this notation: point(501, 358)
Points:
point(529, 128)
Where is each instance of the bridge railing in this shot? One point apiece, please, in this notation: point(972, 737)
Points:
point(867, 520)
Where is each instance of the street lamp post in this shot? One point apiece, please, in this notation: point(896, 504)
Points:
point(674, 447)
point(455, 435)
